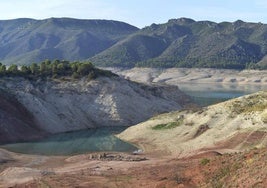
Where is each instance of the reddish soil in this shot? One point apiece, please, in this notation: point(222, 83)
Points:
point(211, 169)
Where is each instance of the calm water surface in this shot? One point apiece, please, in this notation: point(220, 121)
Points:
point(207, 94)
point(103, 139)
point(78, 142)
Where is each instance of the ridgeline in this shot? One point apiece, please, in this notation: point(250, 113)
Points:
point(180, 42)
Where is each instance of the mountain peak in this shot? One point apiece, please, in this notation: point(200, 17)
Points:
point(181, 42)
point(182, 21)
point(238, 22)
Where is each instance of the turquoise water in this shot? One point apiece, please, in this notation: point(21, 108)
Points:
point(103, 139)
point(78, 142)
point(207, 94)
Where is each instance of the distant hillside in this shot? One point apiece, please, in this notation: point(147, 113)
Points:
point(186, 43)
point(23, 41)
point(178, 43)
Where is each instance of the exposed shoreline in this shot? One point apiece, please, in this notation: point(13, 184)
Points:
point(158, 167)
point(174, 76)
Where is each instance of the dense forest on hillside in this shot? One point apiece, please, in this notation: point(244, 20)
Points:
point(55, 69)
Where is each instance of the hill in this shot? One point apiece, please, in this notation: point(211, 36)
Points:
point(34, 104)
point(187, 43)
point(180, 42)
point(234, 125)
point(223, 145)
point(24, 41)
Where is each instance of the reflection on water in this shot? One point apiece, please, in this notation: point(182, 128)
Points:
point(100, 139)
point(207, 94)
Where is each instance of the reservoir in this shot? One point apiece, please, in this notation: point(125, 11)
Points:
point(103, 139)
point(78, 142)
point(208, 93)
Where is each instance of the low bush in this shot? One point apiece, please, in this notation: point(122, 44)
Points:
point(170, 125)
point(204, 161)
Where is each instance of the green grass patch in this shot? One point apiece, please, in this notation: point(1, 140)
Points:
point(170, 125)
point(253, 103)
point(204, 161)
point(264, 117)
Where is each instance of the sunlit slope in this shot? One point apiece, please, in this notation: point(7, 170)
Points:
point(233, 125)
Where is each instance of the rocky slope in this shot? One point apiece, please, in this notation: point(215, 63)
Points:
point(16, 122)
point(58, 106)
point(234, 125)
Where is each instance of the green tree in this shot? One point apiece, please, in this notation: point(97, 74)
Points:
point(25, 70)
point(43, 68)
point(85, 68)
point(74, 66)
point(34, 68)
point(2, 69)
point(13, 69)
point(60, 68)
point(54, 68)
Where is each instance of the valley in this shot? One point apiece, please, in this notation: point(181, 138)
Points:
point(185, 148)
point(177, 104)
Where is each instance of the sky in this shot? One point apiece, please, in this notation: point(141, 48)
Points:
point(139, 13)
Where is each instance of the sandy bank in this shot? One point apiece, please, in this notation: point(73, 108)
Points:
point(174, 76)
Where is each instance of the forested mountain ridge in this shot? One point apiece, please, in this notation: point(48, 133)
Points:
point(24, 41)
point(187, 43)
point(180, 42)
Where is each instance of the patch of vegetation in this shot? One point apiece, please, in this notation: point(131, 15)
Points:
point(196, 44)
point(253, 103)
point(222, 173)
point(264, 117)
point(55, 69)
point(226, 171)
point(170, 125)
point(204, 161)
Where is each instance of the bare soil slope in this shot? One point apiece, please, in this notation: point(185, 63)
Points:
point(217, 146)
point(234, 125)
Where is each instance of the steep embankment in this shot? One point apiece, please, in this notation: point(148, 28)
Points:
point(16, 122)
point(233, 125)
point(58, 106)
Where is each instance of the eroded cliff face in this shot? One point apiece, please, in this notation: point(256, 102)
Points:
point(16, 122)
point(61, 106)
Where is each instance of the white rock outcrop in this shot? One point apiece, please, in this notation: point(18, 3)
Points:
point(61, 106)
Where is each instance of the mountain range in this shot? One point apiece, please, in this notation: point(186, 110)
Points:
point(180, 42)
point(24, 41)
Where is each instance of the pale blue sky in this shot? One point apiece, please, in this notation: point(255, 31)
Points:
point(137, 12)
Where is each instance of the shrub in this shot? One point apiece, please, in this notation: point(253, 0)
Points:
point(170, 125)
point(56, 69)
point(204, 161)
